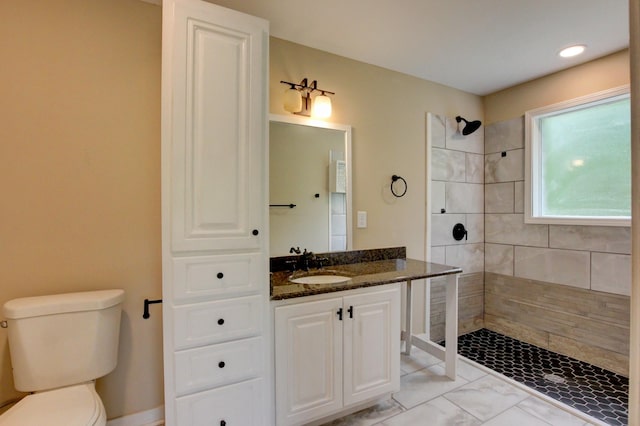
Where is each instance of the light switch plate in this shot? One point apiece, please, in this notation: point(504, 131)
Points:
point(362, 219)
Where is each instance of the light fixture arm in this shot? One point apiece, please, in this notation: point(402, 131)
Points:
point(304, 86)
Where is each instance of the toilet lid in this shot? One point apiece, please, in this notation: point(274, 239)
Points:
point(77, 405)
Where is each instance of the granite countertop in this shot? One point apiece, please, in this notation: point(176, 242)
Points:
point(363, 274)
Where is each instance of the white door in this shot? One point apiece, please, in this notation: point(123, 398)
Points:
point(308, 361)
point(371, 345)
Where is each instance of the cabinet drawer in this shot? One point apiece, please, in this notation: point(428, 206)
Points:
point(215, 276)
point(218, 321)
point(235, 405)
point(217, 365)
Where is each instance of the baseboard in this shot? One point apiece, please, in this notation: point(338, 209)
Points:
point(153, 417)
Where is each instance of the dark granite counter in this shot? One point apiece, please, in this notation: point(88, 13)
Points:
point(378, 267)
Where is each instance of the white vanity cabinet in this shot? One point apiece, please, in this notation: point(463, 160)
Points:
point(216, 316)
point(336, 350)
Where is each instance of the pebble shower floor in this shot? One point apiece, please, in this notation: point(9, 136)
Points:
point(590, 389)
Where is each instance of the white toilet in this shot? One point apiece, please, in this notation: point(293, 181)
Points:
point(59, 345)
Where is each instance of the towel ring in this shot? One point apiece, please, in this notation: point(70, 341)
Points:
point(395, 178)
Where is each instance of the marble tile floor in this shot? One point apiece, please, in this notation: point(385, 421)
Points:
point(478, 396)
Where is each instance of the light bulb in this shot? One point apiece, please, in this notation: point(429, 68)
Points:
point(321, 106)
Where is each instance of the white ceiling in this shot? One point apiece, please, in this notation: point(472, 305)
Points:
point(479, 46)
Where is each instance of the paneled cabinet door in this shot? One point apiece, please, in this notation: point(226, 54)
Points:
point(371, 345)
point(308, 361)
point(217, 130)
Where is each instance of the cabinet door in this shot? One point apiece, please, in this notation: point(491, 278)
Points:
point(216, 125)
point(308, 361)
point(371, 345)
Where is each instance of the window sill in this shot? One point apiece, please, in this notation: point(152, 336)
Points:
point(577, 220)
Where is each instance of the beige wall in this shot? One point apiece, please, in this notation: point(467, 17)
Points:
point(80, 171)
point(387, 111)
point(600, 74)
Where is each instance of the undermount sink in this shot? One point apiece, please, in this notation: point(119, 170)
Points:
point(320, 279)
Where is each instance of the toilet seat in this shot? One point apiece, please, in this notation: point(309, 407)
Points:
point(77, 405)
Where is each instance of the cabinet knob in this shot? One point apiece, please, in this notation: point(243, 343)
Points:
point(223, 423)
point(220, 321)
point(255, 232)
point(221, 364)
point(220, 275)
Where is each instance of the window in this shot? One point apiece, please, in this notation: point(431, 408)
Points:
point(578, 161)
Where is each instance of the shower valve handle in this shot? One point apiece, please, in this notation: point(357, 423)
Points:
point(459, 232)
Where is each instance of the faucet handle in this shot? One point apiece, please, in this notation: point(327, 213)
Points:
point(292, 263)
point(321, 260)
point(295, 250)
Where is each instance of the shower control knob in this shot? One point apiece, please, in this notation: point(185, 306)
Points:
point(459, 232)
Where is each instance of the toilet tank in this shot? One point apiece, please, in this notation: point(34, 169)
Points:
point(63, 339)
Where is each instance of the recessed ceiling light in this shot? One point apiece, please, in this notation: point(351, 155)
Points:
point(570, 51)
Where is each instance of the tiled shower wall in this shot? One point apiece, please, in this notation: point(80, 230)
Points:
point(457, 185)
point(457, 196)
point(562, 287)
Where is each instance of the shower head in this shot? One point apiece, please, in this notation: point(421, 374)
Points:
point(469, 127)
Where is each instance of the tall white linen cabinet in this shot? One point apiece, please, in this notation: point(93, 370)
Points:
point(218, 357)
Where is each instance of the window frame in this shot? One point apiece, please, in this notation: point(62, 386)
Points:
point(532, 182)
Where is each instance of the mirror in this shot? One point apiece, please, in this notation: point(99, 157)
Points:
point(309, 185)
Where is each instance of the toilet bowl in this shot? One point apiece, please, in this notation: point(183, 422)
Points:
point(59, 344)
point(77, 405)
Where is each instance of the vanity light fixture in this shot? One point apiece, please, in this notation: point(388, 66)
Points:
point(571, 51)
point(297, 99)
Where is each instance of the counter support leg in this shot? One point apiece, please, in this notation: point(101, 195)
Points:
point(451, 332)
point(408, 325)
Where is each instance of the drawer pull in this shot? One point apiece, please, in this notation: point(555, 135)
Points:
point(223, 423)
point(221, 321)
point(221, 364)
point(255, 232)
point(220, 275)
